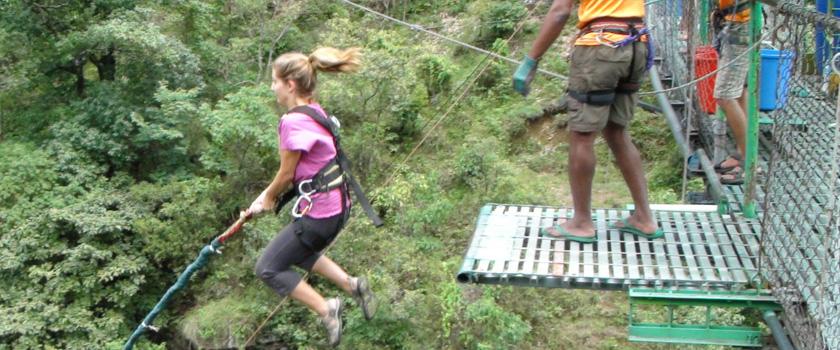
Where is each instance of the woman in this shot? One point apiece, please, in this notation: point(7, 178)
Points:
point(305, 148)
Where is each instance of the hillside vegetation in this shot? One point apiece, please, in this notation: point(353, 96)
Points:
point(133, 132)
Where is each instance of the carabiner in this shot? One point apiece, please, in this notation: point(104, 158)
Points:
point(303, 195)
point(305, 210)
point(599, 38)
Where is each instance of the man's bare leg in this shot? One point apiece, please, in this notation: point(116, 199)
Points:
point(630, 163)
point(581, 172)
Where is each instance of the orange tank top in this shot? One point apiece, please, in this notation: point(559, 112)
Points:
point(590, 10)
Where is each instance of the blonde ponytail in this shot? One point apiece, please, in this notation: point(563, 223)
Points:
point(302, 69)
point(327, 59)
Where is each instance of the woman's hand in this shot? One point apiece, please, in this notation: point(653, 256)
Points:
point(263, 203)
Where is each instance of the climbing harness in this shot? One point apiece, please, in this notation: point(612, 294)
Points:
point(335, 174)
point(723, 27)
point(634, 30)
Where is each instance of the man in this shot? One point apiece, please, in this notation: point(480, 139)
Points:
point(608, 62)
point(733, 17)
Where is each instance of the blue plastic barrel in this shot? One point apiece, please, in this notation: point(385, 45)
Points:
point(776, 67)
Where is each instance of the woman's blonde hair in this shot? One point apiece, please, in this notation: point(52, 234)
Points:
point(303, 69)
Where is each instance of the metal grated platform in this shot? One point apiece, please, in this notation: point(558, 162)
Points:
point(700, 250)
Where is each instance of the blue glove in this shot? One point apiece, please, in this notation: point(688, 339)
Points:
point(524, 74)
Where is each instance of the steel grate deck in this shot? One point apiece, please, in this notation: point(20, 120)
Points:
point(701, 250)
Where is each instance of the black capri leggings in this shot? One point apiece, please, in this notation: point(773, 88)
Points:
point(299, 243)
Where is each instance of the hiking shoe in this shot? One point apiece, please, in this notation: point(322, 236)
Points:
point(364, 296)
point(332, 321)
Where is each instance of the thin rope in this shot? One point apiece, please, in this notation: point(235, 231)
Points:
point(710, 74)
point(451, 40)
point(549, 73)
point(453, 104)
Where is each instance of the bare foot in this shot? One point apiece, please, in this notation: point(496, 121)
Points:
point(647, 226)
point(730, 162)
point(585, 230)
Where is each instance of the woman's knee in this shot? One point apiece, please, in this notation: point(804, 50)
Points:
point(282, 282)
point(263, 272)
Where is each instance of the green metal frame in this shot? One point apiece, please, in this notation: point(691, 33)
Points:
point(707, 333)
point(751, 160)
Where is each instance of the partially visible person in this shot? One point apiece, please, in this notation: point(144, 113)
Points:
point(608, 63)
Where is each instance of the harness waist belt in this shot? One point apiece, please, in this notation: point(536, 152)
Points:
point(335, 174)
point(613, 25)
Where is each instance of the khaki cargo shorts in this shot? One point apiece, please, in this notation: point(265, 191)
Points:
point(729, 83)
point(595, 68)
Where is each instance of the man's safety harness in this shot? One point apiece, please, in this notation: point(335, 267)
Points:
point(335, 174)
point(635, 29)
point(722, 27)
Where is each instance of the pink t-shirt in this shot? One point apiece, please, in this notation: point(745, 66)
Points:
point(299, 132)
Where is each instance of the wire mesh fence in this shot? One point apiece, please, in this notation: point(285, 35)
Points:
point(798, 136)
point(800, 252)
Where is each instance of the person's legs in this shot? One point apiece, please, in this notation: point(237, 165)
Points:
point(742, 100)
point(736, 116)
point(629, 161)
point(581, 171)
point(324, 266)
point(737, 120)
point(627, 157)
point(593, 71)
point(730, 94)
point(274, 268)
point(357, 287)
point(304, 293)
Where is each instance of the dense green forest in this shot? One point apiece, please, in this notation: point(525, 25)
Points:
point(133, 132)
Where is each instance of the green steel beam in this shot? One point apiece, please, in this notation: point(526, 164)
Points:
point(698, 334)
point(761, 300)
point(695, 334)
point(749, 205)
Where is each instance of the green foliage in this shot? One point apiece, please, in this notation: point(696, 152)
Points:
point(436, 73)
point(144, 56)
point(22, 163)
point(212, 323)
point(495, 73)
point(491, 326)
point(243, 136)
point(105, 130)
point(132, 132)
point(75, 272)
point(476, 164)
point(499, 20)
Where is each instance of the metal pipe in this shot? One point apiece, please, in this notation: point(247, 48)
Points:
point(751, 156)
point(676, 129)
point(670, 114)
point(777, 330)
point(715, 190)
point(649, 107)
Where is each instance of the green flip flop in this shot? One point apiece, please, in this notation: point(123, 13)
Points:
point(567, 235)
point(626, 227)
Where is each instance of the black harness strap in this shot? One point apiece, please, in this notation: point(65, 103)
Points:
point(336, 173)
point(595, 98)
